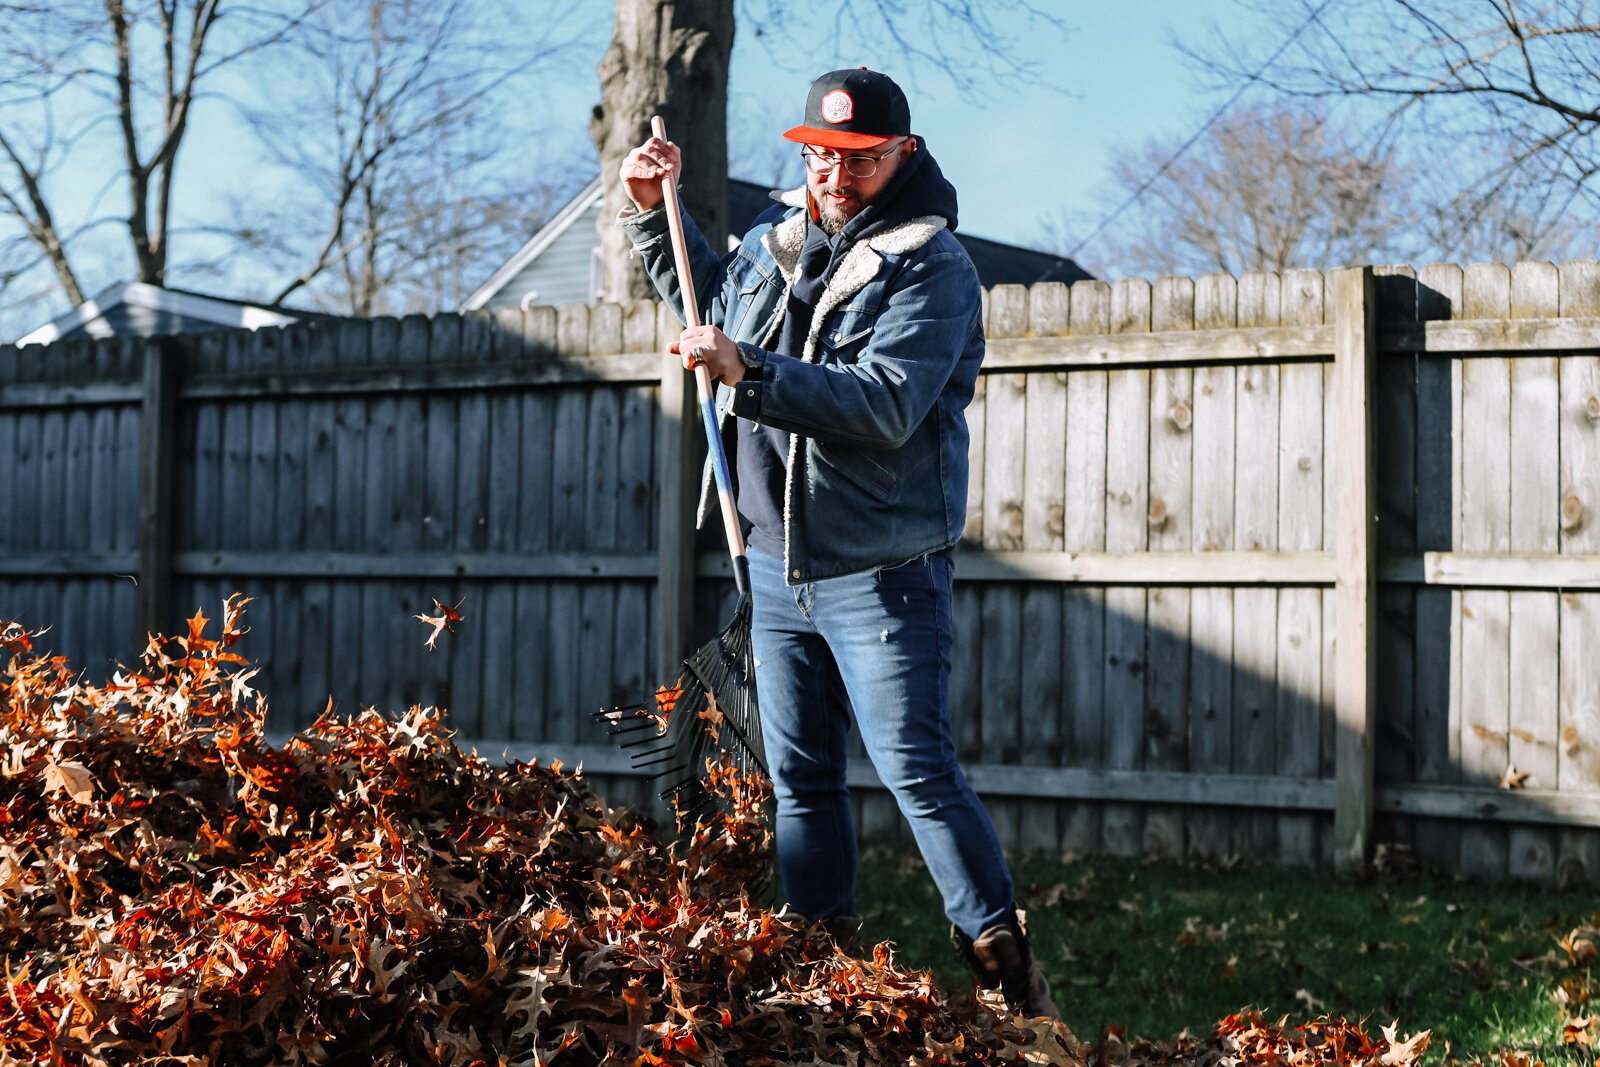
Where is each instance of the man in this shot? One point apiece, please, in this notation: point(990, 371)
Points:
point(847, 330)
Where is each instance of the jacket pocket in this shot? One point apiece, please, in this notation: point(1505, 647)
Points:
point(865, 472)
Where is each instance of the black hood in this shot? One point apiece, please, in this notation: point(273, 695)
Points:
point(918, 188)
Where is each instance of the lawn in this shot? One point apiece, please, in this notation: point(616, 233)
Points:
point(1157, 948)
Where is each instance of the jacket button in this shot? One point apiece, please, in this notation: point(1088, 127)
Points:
point(749, 392)
point(795, 572)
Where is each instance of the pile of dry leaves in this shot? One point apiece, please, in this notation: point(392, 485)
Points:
point(174, 889)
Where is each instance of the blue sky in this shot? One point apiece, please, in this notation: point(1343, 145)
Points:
point(1016, 155)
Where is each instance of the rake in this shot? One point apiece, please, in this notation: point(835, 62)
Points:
point(711, 710)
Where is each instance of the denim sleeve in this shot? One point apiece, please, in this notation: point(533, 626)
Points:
point(648, 232)
point(926, 324)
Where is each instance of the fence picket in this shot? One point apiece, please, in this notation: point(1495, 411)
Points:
point(1255, 611)
point(1437, 708)
point(1302, 687)
point(1485, 527)
point(1167, 609)
point(1004, 489)
point(1085, 531)
point(1578, 750)
point(1127, 530)
point(1211, 609)
point(1044, 711)
point(1535, 471)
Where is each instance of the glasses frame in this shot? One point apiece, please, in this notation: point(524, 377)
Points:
point(810, 153)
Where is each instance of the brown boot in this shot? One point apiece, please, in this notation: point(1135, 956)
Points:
point(1002, 959)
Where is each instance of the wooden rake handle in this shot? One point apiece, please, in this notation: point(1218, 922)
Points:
point(702, 377)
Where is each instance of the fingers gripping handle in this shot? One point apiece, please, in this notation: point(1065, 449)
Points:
point(702, 377)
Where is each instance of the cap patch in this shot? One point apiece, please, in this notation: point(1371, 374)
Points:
point(838, 107)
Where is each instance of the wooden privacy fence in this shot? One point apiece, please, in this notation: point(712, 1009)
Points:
point(1186, 495)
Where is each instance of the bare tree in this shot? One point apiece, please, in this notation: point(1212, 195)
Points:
point(1266, 188)
point(1498, 97)
point(396, 123)
point(114, 82)
point(670, 57)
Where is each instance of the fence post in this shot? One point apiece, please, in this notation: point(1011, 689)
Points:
point(1355, 557)
point(677, 474)
point(157, 471)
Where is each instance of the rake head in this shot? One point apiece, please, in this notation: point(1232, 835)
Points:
point(711, 712)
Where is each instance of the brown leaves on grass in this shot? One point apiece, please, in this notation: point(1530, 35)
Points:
point(1248, 1039)
point(174, 889)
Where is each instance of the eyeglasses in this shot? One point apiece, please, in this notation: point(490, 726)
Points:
point(855, 166)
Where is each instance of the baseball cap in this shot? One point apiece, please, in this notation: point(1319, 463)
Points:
point(857, 108)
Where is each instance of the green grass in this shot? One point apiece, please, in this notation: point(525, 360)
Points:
point(1157, 948)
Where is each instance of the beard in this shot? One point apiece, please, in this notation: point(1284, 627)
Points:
point(833, 217)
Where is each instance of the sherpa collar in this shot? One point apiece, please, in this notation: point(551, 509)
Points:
point(859, 265)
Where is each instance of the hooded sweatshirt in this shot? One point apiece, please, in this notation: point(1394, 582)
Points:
point(917, 189)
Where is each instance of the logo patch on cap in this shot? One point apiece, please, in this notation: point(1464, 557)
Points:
point(838, 107)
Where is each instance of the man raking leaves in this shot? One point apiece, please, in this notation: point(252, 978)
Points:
point(846, 330)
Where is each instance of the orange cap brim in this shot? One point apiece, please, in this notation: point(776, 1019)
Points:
point(834, 138)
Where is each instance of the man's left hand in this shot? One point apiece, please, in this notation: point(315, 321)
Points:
point(709, 345)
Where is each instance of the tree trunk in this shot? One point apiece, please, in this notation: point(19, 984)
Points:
point(667, 58)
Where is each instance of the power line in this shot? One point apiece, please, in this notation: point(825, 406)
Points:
point(1215, 115)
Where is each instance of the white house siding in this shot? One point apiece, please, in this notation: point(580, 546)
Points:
point(560, 274)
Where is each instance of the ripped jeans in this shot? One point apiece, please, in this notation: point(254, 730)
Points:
point(877, 643)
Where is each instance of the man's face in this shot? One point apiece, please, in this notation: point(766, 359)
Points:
point(840, 195)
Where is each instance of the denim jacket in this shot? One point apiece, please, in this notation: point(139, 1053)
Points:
point(875, 404)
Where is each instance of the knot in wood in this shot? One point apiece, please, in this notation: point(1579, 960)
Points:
point(1571, 512)
point(1158, 512)
point(1179, 415)
point(1591, 408)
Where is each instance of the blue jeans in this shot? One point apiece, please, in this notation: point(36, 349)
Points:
point(878, 643)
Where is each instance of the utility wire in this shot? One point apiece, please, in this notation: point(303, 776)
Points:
point(1215, 115)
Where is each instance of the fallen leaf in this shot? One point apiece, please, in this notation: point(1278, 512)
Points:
point(444, 622)
point(71, 778)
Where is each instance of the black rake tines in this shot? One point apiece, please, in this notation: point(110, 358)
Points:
point(714, 712)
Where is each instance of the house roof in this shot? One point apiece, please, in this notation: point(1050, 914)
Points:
point(997, 263)
point(138, 309)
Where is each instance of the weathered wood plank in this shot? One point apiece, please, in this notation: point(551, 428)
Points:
point(1354, 312)
point(1004, 490)
point(1438, 615)
point(1578, 752)
point(1166, 726)
point(1533, 726)
point(500, 508)
point(469, 525)
point(351, 681)
point(1211, 730)
point(564, 704)
point(158, 465)
point(1485, 520)
point(321, 349)
point(1127, 530)
point(1301, 694)
point(535, 476)
point(1084, 529)
point(1255, 611)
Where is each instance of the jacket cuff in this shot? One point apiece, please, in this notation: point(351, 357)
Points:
point(644, 228)
point(747, 394)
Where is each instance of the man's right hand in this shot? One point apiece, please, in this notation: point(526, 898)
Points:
point(644, 167)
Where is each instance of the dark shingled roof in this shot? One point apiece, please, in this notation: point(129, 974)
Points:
point(997, 263)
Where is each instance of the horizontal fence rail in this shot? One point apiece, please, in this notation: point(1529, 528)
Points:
point(1276, 565)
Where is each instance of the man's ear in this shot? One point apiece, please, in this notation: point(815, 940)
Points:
point(912, 144)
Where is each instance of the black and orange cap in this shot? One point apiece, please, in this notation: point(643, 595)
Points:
point(856, 108)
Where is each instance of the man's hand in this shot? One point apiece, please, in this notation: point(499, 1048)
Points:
point(644, 167)
point(709, 345)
